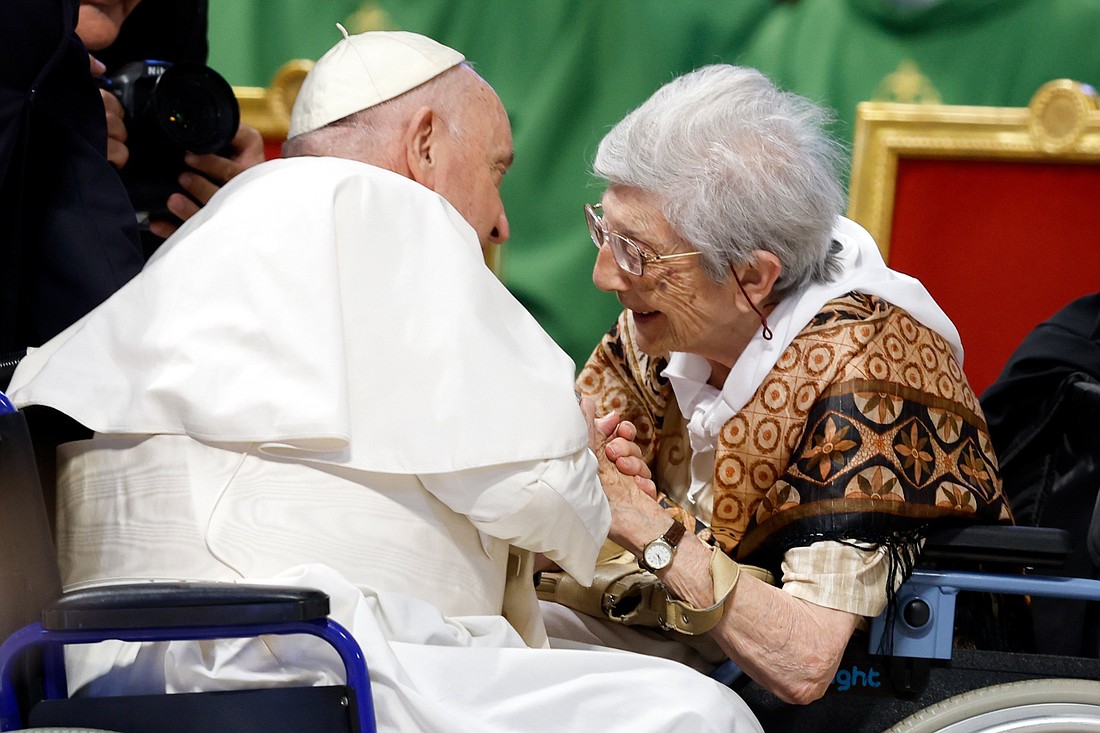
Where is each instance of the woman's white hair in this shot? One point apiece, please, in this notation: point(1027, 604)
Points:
point(737, 165)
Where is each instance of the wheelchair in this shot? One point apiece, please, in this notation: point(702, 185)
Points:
point(907, 674)
point(37, 620)
point(946, 654)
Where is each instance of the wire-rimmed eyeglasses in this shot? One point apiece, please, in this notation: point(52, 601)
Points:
point(628, 254)
point(630, 257)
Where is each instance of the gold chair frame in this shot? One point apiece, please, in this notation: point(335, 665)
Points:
point(1060, 124)
point(268, 108)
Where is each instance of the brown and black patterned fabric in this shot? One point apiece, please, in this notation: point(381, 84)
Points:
point(865, 430)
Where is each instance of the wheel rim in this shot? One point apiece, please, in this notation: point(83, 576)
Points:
point(1053, 717)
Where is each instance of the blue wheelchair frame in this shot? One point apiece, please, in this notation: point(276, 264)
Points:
point(937, 591)
point(915, 638)
point(934, 592)
point(141, 612)
point(52, 640)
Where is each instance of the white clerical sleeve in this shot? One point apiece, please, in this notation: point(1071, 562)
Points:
point(556, 507)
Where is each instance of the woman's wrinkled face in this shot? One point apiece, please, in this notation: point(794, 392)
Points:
point(675, 306)
point(101, 20)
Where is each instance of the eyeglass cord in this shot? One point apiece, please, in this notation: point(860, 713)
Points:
point(763, 321)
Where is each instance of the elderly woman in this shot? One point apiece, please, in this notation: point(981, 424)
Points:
point(800, 406)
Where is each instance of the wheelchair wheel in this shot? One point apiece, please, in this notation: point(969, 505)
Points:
point(1035, 706)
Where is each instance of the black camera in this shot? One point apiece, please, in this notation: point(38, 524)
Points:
point(170, 109)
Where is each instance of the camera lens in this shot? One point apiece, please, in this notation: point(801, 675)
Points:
point(196, 108)
point(170, 108)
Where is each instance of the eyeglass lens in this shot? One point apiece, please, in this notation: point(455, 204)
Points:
point(626, 254)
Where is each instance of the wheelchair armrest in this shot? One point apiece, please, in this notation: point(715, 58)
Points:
point(183, 604)
point(997, 545)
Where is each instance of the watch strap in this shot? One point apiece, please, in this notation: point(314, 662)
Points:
point(685, 618)
point(674, 533)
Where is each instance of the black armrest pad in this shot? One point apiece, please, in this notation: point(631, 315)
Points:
point(137, 605)
point(1037, 547)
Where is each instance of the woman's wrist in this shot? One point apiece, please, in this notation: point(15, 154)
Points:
point(637, 520)
point(689, 576)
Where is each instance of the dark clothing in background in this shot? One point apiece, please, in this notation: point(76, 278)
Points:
point(166, 30)
point(1043, 419)
point(68, 237)
point(68, 233)
point(1027, 406)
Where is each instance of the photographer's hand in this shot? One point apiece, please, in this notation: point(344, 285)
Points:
point(117, 152)
point(211, 172)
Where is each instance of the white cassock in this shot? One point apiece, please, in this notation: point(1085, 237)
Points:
point(317, 381)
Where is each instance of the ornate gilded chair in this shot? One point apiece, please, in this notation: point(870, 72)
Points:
point(268, 108)
point(992, 208)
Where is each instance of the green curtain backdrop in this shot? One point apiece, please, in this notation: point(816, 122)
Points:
point(568, 69)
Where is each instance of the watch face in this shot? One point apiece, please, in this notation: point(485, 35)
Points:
point(658, 554)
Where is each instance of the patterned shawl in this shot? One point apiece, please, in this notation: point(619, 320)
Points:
point(865, 430)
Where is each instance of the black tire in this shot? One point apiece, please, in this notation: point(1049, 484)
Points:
point(1038, 706)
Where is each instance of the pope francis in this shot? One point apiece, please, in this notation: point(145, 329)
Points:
point(318, 381)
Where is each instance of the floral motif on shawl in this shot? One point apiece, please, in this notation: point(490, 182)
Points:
point(865, 429)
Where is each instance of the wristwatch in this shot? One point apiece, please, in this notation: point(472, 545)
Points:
point(657, 555)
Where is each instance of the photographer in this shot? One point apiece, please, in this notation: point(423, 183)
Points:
point(68, 237)
point(172, 31)
point(68, 233)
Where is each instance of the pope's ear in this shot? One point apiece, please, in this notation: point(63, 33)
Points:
point(420, 140)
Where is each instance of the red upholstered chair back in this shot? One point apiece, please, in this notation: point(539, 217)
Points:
point(993, 209)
